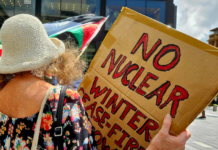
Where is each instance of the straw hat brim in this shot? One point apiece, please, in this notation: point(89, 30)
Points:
point(31, 65)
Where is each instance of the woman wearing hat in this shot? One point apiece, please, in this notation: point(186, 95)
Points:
point(29, 105)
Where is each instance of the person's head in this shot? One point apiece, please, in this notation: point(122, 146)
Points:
point(26, 47)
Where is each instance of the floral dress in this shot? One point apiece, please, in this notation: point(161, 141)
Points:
point(17, 133)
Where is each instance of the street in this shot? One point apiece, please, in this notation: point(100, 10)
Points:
point(204, 132)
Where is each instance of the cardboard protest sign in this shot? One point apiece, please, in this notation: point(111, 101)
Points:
point(142, 71)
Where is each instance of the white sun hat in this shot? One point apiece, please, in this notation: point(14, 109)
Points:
point(26, 45)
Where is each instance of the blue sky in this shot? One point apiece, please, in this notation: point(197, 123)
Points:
point(197, 17)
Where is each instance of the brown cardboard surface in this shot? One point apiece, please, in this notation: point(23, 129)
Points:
point(127, 116)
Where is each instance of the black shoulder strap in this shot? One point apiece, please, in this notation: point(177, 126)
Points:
point(58, 131)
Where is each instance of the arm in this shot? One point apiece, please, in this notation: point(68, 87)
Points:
point(164, 141)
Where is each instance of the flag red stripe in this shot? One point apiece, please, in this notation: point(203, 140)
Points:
point(88, 31)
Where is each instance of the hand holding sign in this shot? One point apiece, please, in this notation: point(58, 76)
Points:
point(164, 141)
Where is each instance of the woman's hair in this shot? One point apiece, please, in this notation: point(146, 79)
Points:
point(66, 68)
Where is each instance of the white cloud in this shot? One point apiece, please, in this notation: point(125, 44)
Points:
point(197, 17)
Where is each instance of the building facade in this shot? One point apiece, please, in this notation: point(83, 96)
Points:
point(213, 38)
point(52, 10)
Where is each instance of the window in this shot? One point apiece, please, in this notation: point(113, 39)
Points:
point(137, 5)
point(6, 10)
point(91, 7)
point(113, 8)
point(53, 10)
point(151, 8)
point(71, 8)
point(25, 6)
point(156, 10)
point(50, 10)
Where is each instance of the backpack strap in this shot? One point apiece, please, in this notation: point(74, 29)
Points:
point(39, 119)
point(58, 130)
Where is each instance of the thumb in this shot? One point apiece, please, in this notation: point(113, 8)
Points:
point(166, 123)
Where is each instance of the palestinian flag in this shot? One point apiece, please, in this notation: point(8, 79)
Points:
point(83, 27)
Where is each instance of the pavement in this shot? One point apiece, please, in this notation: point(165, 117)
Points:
point(204, 132)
